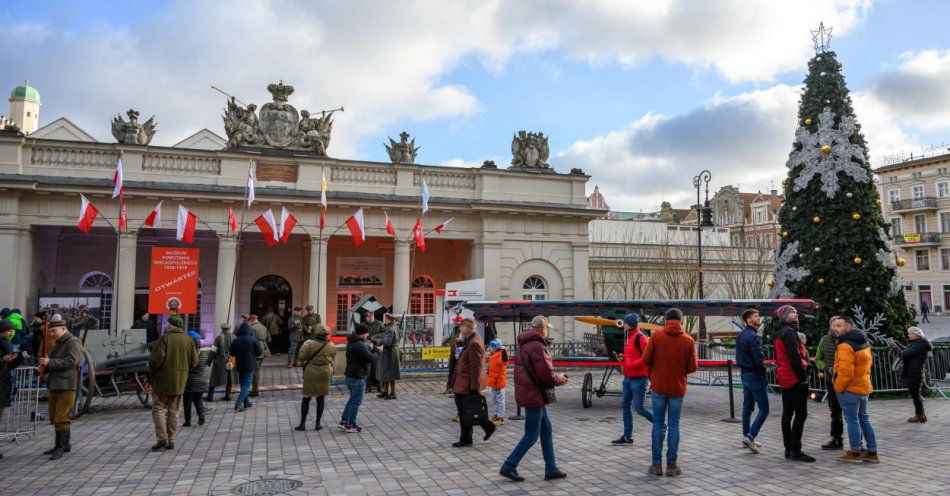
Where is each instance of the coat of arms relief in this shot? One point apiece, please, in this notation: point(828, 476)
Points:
point(530, 152)
point(277, 124)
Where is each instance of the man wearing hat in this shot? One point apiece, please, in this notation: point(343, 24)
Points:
point(635, 377)
point(218, 360)
point(295, 336)
point(168, 364)
point(376, 331)
point(60, 368)
point(387, 367)
point(791, 369)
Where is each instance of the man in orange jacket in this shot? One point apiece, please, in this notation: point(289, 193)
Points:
point(853, 360)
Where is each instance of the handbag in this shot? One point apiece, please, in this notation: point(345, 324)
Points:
point(897, 366)
point(232, 363)
point(547, 393)
point(474, 409)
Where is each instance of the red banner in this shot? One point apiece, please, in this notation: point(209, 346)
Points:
point(173, 280)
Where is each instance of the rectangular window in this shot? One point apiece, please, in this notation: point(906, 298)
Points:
point(923, 259)
point(920, 224)
point(917, 192)
point(916, 175)
point(344, 301)
point(422, 303)
point(943, 189)
point(946, 296)
point(893, 195)
point(945, 259)
point(892, 179)
point(941, 170)
point(944, 221)
point(924, 291)
point(896, 229)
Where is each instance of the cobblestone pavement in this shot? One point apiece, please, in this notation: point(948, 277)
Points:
point(405, 450)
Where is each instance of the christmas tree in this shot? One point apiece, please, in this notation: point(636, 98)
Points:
point(835, 247)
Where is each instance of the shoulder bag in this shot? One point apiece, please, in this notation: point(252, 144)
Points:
point(314, 355)
point(546, 392)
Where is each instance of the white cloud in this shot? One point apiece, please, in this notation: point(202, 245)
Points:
point(918, 91)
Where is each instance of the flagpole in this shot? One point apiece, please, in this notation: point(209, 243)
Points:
point(237, 254)
point(113, 322)
point(321, 219)
point(412, 264)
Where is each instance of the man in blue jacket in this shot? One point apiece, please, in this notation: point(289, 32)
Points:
point(751, 362)
point(246, 349)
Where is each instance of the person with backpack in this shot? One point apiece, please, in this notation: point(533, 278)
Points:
point(316, 357)
point(755, 386)
point(196, 384)
point(636, 377)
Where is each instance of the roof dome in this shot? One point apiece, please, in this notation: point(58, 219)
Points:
point(25, 92)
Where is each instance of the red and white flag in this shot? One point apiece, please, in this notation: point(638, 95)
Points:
point(419, 236)
point(123, 217)
point(117, 188)
point(444, 223)
point(265, 222)
point(355, 225)
point(389, 225)
point(232, 220)
point(87, 215)
point(250, 187)
point(154, 219)
point(323, 200)
point(287, 223)
point(187, 221)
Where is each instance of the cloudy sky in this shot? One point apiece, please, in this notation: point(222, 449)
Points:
point(641, 95)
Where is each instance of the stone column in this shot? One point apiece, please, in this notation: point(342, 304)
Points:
point(224, 289)
point(123, 287)
point(8, 265)
point(23, 294)
point(317, 291)
point(582, 289)
point(401, 278)
point(491, 269)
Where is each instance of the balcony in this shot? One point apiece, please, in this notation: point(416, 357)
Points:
point(915, 205)
point(910, 241)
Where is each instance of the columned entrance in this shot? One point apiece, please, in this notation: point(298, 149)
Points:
point(271, 291)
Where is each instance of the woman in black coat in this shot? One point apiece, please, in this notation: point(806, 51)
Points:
point(197, 384)
point(914, 357)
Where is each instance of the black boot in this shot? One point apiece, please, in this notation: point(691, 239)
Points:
point(58, 451)
point(56, 444)
point(66, 445)
point(304, 411)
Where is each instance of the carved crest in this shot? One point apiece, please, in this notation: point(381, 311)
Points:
point(278, 124)
point(133, 133)
point(403, 152)
point(530, 152)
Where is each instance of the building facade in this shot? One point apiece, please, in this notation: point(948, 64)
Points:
point(525, 231)
point(915, 200)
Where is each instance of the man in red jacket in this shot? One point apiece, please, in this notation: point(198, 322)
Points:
point(791, 361)
point(470, 379)
point(671, 356)
point(635, 378)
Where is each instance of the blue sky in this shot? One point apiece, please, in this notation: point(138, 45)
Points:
point(641, 96)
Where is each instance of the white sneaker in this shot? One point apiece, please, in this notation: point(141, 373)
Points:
point(750, 443)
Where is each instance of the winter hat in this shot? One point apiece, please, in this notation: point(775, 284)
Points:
point(176, 321)
point(495, 344)
point(631, 319)
point(361, 329)
point(57, 321)
point(6, 325)
point(225, 326)
point(783, 312)
point(4, 313)
point(194, 334)
point(673, 314)
point(540, 322)
point(321, 330)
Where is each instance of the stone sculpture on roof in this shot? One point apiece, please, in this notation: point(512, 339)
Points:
point(403, 152)
point(278, 124)
point(530, 152)
point(133, 133)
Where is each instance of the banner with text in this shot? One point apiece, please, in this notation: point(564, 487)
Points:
point(361, 272)
point(173, 281)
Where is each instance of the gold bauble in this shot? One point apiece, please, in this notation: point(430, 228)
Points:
point(840, 65)
point(784, 234)
point(821, 280)
point(807, 122)
point(784, 182)
point(901, 262)
point(878, 202)
point(857, 260)
point(816, 219)
point(826, 149)
point(771, 283)
point(856, 216)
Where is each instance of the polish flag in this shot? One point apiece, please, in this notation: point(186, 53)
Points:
point(154, 219)
point(250, 187)
point(265, 222)
point(287, 223)
point(123, 217)
point(185, 230)
point(323, 200)
point(117, 188)
point(419, 237)
point(232, 220)
point(389, 225)
point(442, 226)
point(87, 215)
point(355, 224)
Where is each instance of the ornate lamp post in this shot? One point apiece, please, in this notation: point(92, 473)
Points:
point(703, 219)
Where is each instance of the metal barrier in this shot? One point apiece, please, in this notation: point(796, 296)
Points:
point(20, 418)
point(938, 368)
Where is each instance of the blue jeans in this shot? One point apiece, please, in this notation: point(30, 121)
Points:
point(754, 393)
point(536, 424)
point(634, 392)
point(246, 378)
point(666, 409)
point(357, 387)
point(854, 407)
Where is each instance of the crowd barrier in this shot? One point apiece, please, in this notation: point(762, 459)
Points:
point(21, 417)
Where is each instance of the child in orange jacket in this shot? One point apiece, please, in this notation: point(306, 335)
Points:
point(497, 379)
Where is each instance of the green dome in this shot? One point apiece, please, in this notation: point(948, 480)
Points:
point(25, 92)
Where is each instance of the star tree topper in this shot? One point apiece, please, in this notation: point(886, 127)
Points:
point(827, 164)
point(821, 37)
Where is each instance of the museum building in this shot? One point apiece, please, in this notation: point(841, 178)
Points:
point(523, 228)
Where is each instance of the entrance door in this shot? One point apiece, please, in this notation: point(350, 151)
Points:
point(271, 291)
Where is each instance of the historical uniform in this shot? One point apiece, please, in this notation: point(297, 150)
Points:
point(387, 367)
point(260, 332)
point(310, 321)
point(218, 360)
point(295, 336)
point(61, 381)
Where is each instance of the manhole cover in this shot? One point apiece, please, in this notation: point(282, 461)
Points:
point(266, 487)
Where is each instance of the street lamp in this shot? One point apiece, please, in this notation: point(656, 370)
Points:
point(703, 219)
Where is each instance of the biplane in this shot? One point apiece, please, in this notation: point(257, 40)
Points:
point(608, 313)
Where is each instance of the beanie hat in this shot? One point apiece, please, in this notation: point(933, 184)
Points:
point(673, 314)
point(783, 312)
point(194, 334)
point(4, 313)
point(57, 321)
point(175, 320)
point(495, 344)
point(362, 329)
point(6, 325)
point(631, 319)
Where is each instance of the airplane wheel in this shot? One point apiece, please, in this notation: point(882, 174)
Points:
point(587, 391)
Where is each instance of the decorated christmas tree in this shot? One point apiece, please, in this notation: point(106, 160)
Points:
point(835, 246)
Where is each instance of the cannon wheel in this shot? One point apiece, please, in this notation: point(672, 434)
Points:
point(86, 375)
point(587, 390)
point(143, 389)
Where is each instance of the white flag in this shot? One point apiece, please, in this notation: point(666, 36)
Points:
point(425, 196)
point(250, 187)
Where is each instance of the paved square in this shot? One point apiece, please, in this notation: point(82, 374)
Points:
point(405, 450)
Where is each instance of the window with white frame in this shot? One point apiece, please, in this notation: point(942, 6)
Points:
point(893, 195)
point(945, 222)
point(896, 229)
point(941, 170)
point(422, 296)
point(534, 288)
point(101, 283)
point(943, 189)
point(917, 192)
point(923, 259)
point(945, 259)
point(916, 175)
point(920, 224)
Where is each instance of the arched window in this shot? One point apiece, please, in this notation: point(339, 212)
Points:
point(534, 288)
point(100, 283)
point(422, 296)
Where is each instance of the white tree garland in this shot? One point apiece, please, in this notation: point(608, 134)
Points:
point(785, 274)
point(828, 165)
point(886, 257)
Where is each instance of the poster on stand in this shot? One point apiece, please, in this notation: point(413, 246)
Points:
point(457, 293)
point(173, 280)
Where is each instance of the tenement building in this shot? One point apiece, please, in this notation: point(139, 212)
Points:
point(523, 229)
